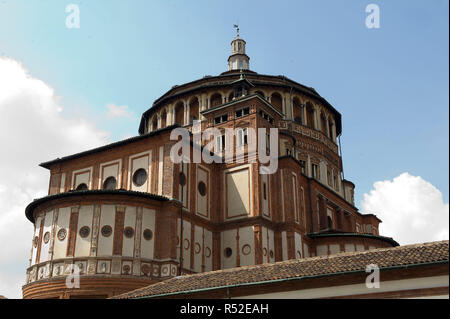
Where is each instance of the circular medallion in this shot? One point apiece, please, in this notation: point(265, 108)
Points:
point(84, 231)
point(197, 248)
point(187, 244)
point(208, 252)
point(126, 269)
point(246, 249)
point(106, 231)
point(265, 251)
point(62, 234)
point(145, 268)
point(148, 234)
point(128, 232)
point(46, 237)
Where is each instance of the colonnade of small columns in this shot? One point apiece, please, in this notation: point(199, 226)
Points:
point(167, 115)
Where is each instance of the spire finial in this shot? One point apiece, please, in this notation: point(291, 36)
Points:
point(237, 30)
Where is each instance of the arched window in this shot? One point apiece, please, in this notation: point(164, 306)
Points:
point(298, 111)
point(215, 100)
point(277, 101)
point(310, 115)
point(163, 118)
point(179, 113)
point(110, 183)
point(323, 122)
point(155, 123)
point(82, 187)
point(193, 110)
point(330, 222)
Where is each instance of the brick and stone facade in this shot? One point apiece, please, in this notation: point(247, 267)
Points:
point(126, 214)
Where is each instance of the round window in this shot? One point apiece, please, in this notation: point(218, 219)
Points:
point(182, 179)
point(84, 231)
point(140, 177)
point(82, 187)
point(110, 183)
point(202, 188)
point(228, 252)
point(46, 237)
point(128, 232)
point(106, 231)
point(148, 235)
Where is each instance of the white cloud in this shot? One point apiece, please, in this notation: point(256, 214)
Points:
point(117, 111)
point(412, 209)
point(32, 130)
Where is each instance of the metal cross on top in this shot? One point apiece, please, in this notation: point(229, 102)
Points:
point(237, 30)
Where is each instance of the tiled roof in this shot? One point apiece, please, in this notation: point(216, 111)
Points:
point(397, 257)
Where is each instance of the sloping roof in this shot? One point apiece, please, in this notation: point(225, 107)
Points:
point(385, 258)
point(76, 193)
point(108, 146)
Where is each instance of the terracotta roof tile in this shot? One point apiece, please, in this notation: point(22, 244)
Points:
point(297, 268)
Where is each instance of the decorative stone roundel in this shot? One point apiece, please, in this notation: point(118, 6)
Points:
point(84, 231)
point(128, 232)
point(62, 234)
point(208, 252)
point(46, 237)
point(246, 249)
point(140, 177)
point(202, 188)
point(197, 248)
point(187, 244)
point(148, 234)
point(145, 268)
point(106, 231)
point(126, 269)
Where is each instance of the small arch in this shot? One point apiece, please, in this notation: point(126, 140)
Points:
point(163, 118)
point(323, 123)
point(215, 100)
point(310, 115)
point(260, 93)
point(277, 101)
point(297, 110)
point(154, 122)
point(329, 222)
point(193, 110)
point(179, 113)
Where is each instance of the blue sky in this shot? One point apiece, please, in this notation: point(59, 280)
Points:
point(390, 84)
